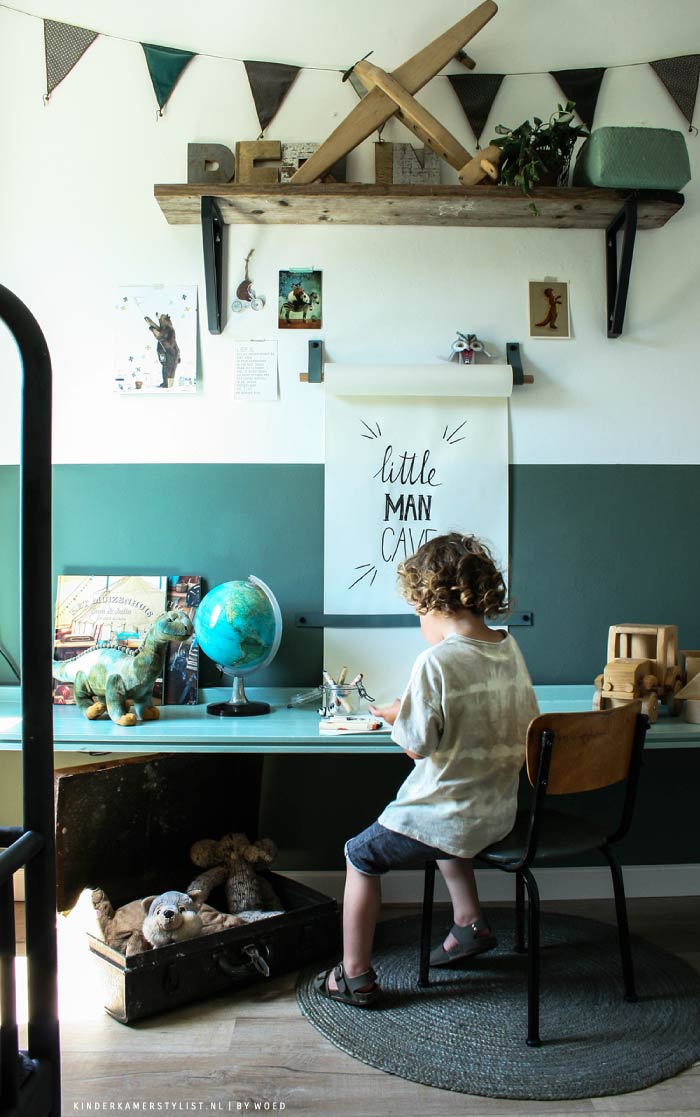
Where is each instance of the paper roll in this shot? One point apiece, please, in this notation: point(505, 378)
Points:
point(445, 379)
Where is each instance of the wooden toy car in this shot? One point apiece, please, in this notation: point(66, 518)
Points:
point(642, 663)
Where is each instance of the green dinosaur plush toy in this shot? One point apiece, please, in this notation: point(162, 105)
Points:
point(106, 679)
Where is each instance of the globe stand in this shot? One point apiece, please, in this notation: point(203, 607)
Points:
point(239, 705)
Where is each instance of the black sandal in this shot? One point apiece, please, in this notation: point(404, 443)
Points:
point(349, 988)
point(469, 943)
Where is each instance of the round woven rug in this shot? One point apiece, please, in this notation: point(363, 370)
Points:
point(466, 1031)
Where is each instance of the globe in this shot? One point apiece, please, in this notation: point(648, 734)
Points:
point(239, 626)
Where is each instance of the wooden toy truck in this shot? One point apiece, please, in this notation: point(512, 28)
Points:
point(642, 663)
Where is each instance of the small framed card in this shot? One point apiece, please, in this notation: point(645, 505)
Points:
point(299, 301)
point(549, 310)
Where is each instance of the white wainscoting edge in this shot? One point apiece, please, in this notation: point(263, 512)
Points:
point(582, 883)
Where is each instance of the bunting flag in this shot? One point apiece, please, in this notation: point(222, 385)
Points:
point(476, 93)
point(582, 87)
point(64, 46)
point(165, 65)
point(680, 76)
point(270, 83)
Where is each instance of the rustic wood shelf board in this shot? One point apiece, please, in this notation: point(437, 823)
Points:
point(360, 204)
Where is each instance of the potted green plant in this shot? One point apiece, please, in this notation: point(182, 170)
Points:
point(537, 153)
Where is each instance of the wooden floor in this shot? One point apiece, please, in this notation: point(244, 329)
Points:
point(255, 1047)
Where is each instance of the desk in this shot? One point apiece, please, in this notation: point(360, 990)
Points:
point(286, 731)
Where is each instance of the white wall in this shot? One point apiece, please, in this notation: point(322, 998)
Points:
point(78, 219)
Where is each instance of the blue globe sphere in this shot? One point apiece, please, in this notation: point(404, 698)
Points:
point(239, 625)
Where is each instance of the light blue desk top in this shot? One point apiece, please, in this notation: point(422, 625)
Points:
point(283, 730)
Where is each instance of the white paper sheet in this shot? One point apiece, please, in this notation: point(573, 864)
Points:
point(411, 452)
point(255, 371)
point(155, 340)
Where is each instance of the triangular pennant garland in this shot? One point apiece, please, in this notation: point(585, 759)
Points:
point(269, 83)
point(476, 93)
point(64, 46)
point(680, 76)
point(582, 87)
point(165, 65)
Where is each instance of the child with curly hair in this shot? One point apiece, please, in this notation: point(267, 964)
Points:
point(462, 720)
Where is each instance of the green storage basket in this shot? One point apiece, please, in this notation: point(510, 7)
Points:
point(633, 158)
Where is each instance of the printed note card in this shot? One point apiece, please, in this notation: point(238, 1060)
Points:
point(255, 371)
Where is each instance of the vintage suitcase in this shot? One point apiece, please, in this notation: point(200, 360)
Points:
point(127, 826)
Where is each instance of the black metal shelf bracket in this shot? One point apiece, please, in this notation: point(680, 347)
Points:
point(515, 361)
point(388, 620)
point(618, 274)
point(213, 245)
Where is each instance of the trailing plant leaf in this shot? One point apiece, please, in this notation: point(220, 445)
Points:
point(536, 150)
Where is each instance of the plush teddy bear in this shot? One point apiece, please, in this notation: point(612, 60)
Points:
point(171, 917)
point(155, 921)
point(234, 860)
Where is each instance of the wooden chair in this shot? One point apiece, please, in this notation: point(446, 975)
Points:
point(565, 754)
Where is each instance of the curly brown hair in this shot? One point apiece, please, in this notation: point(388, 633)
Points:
point(450, 573)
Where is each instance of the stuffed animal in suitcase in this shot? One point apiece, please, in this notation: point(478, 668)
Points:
point(234, 861)
point(158, 920)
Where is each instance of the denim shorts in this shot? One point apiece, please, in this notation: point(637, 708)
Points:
point(377, 850)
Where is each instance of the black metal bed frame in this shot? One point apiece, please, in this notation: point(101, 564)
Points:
point(30, 1082)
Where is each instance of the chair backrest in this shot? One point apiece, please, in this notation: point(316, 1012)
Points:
point(591, 749)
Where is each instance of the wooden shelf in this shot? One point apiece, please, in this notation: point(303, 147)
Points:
point(353, 203)
point(360, 204)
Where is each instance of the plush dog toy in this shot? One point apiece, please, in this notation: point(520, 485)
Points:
point(156, 920)
point(170, 917)
point(233, 861)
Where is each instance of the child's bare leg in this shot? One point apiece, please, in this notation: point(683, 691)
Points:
point(361, 903)
point(458, 874)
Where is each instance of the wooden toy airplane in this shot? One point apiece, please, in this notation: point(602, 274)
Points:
point(391, 94)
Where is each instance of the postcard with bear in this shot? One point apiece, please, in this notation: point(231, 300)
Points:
point(156, 340)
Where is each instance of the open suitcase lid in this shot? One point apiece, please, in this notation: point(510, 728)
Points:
point(126, 826)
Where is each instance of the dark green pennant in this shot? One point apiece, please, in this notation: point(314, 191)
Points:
point(165, 65)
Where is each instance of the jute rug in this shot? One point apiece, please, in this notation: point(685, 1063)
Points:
point(466, 1032)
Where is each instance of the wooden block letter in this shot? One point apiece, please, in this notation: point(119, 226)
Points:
point(250, 153)
point(403, 163)
point(209, 163)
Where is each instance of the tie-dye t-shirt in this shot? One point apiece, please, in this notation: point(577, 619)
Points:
point(465, 711)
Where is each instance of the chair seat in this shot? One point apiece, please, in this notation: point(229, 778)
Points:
point(561, 835)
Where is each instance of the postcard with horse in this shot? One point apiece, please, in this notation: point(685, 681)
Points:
point(300, 299)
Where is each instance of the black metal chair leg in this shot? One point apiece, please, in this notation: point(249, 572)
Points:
point(623, 929)
point(533, 960)
point(519, 914)
point(427, 924)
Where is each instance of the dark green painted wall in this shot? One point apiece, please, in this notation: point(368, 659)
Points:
point(598, 545)
point(220, 521)
point(590, 546)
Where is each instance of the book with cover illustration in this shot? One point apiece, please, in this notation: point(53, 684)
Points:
point(100, 610)
point(182, 657)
